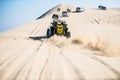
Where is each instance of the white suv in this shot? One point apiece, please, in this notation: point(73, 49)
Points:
point(64, 14)
point(79, 9)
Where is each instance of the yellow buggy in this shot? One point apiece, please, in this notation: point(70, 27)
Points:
point(58, 27)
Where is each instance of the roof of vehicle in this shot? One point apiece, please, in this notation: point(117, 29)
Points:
point(78, 7)
point(55, 14)
point(59, 21)
point(64, 12)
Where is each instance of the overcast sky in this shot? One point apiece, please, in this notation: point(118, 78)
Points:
point(14, 13)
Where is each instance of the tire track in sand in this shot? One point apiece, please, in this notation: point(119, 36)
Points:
point(117, 73)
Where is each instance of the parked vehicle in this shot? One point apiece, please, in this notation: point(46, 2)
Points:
point(68, 10)
point(79, 9)
point(58, 9)
point(100, 7)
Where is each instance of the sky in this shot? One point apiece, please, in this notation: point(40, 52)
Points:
point(14, 13)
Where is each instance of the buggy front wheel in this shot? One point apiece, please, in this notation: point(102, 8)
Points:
point(49, 33)
point(68, 34)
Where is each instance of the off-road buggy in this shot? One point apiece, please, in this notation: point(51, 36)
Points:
point(55, 16)
point(58, 27)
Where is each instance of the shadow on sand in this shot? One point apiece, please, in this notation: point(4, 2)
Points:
point(38, 37)
point(76, 12)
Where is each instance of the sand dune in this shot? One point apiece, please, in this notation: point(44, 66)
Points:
point(92, 52)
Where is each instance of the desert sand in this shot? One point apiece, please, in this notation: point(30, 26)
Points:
point(91, 53)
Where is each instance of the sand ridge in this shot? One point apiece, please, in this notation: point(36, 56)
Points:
point(91, 53)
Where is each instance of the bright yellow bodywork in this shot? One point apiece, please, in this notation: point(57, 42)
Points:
point(59, 29)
